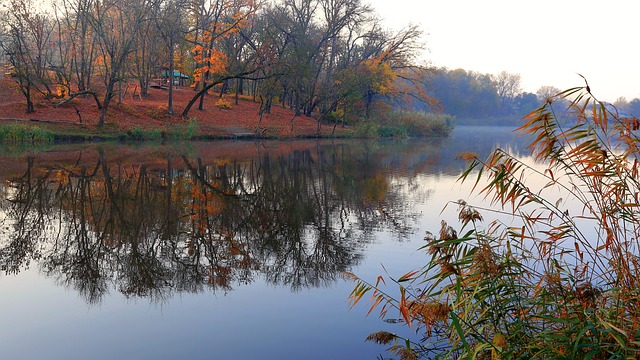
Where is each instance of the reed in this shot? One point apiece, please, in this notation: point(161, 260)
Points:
point(557, 282)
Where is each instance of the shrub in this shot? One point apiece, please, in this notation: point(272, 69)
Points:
point(186, 131)
point(127, 109)
point(24, 133)
point(366, 129)
point(406, 123)
point(546, 286)
point(222, 103)
point(159, 112)
point(140, 134)
point(336, 116)
point(245, 97)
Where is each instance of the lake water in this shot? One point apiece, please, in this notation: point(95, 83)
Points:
point(218, 250)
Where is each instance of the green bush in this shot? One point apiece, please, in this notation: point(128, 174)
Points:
point(392, 131)
point(16, 133)
point(406, 123)
point(366, 129)
point(187, 131)
point(140, 134)
point(554, 284)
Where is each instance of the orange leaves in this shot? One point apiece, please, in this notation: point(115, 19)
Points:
point(206, 201)
point(211, 61)
point(379, 297)
point(543, 270)
point(358, 291)
point(404, 309)
point(221, 21)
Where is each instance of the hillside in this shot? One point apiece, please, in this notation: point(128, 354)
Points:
point(149, 113)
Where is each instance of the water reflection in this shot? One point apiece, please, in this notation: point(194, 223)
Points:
point(157, 221)
point(94, 219)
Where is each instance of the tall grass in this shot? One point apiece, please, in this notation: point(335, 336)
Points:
point(563, 281)
point(186, 131)
point(144, 134)
point(406, 124)
point(20, 133)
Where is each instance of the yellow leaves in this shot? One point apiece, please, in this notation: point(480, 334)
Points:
point(358, 291)
point(61, 177)
point(499, 343)
point(544, 267)
point(223, 104)
point(379, 74)
point(222, 161)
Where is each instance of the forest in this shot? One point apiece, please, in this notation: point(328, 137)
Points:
point(328, 58)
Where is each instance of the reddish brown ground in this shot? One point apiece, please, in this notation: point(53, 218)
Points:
point(150, 113)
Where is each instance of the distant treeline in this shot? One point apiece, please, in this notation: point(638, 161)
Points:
point(482, 99)
point(487, 99)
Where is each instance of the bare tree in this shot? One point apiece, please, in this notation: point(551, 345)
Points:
point(147, 54)
point(27, 41)
point(546, 92)
point(116, 24)
point(170, 26)
point(622, 104)
point(508, 87)
point(75, 42)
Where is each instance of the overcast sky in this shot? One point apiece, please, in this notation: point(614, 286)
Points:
point(547, 42)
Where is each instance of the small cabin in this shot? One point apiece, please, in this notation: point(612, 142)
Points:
point(179, 79)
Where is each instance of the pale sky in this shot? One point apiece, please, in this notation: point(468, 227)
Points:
point(548, 42)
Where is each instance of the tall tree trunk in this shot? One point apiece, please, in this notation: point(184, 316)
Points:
point(171, 80)
point(239, 83)
point(105, 104)
point(202, 94)
point(27, 95)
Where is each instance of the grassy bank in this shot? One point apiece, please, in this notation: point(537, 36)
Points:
point(17, 133)
point(405, 124)
point(393, 124)
point(48, 132)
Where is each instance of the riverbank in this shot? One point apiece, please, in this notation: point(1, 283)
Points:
point(146, 117)
point(135, 117)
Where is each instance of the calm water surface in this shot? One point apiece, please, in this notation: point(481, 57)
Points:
point(222, 250)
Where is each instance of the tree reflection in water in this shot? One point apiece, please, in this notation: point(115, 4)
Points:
point(183, 224)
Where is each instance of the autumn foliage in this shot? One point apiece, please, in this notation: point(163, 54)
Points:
point(316, 58)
